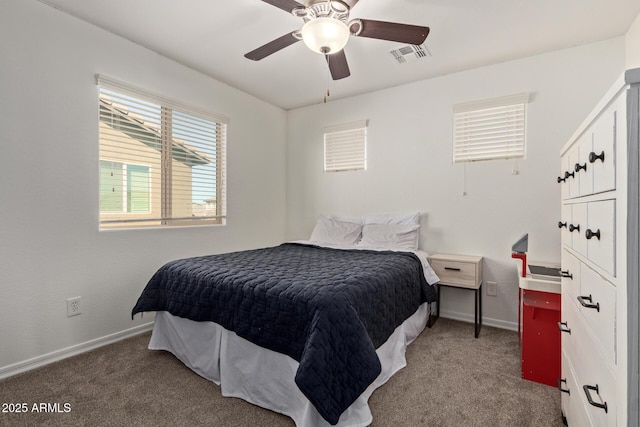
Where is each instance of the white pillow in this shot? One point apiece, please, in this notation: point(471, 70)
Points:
point(410, 219)
point(336, 231)
point(344, 219)
point(390, 236)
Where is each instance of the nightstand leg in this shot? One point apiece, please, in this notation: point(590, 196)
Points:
point(478, 311)
point(438, 290)
point(432, 318)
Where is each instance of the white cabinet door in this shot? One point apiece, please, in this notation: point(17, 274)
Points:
point(573, 178)
point(600, 234)
point(582, 168)
point(562, 179)
point(563, 224)
point(602, 158)
point(577, 227)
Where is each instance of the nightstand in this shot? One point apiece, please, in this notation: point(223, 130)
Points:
point(460, 271)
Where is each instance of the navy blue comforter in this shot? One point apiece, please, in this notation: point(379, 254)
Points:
point(329, 309)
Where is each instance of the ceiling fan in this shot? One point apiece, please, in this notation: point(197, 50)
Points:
point(327, 29)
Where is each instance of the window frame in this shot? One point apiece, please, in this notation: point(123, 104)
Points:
point(172, 123)
point(345, 147)
point(490, 129)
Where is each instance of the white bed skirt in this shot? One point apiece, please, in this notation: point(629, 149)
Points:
point(264, 377)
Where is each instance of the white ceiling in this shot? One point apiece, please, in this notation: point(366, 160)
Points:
point(212, 36)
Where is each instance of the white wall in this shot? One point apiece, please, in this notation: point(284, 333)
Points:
point(410, 167)
point(632, 44)
point(50, 246)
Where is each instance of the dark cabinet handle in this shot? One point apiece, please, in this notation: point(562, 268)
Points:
point(588, 302)
point(564, 327)
point(565, 273)
point(593, 157)
point(573, 228)
point(564, 390)
point(589, 233)
point(578, 167)
point(452, 269)
point(567, 175)
point(561, 179)
point(562, 224)
point(587, 391)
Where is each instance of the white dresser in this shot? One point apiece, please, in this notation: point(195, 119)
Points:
point(593, 223)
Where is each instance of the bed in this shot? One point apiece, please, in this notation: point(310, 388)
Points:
point(307, 328)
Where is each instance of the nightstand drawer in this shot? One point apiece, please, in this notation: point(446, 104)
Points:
point(458, 270)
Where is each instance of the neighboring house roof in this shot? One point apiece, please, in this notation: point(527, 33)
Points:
point(148, 134)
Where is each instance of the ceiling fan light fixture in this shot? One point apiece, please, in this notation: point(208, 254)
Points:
point(325, 35)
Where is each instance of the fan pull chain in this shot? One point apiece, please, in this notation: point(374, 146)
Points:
point(327, 94)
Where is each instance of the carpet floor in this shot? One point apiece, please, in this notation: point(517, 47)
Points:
point(452, 379)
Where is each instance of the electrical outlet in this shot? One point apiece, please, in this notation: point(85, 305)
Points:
point(492, 289)
point(73, 306)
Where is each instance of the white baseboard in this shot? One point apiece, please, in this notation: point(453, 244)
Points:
point(486, 321)
point(45, 359)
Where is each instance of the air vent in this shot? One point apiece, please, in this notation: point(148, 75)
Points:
point(410, 53)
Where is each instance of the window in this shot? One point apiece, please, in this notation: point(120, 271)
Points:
point(161, 163)
point(490, 129)
point(345, 147)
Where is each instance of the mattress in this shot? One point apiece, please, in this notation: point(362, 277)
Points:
point(328, 309)
point(266, 378)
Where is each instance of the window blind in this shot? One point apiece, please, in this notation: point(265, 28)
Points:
point(490, 129)
point(345, 147)
point(162, 163)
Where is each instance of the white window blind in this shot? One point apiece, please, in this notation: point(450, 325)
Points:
point(345, 147)
point(162, 163)
point(490, 129)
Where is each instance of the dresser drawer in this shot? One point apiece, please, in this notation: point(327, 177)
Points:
point(570, 271)
point(577, 226)
point(563, 224)
point(572, 403)
point(458, 270)
point(573, 178)
point(569, 327)
point(592, 232)
point(597, 304)
point(583, 169)
point(600, 234)
point(595, 381)
point(602, 162)
point(590, 368)
point(562, 178)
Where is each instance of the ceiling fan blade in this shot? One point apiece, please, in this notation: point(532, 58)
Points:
point(272, 47)
point(350, 3)
point(286, 5)
point(402, 33)
point(338, 65)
